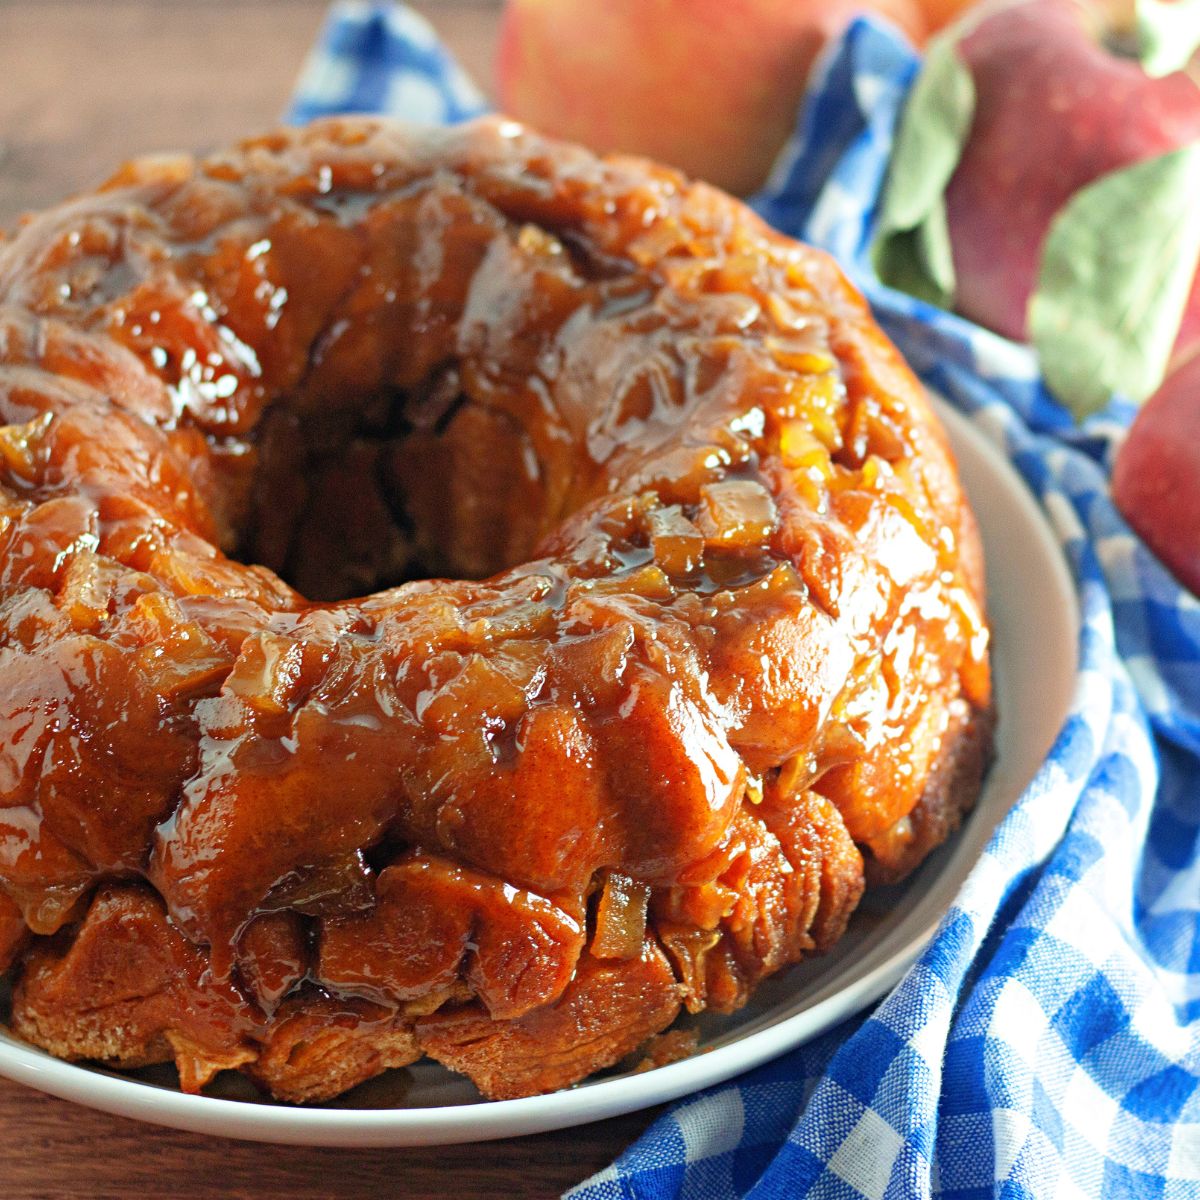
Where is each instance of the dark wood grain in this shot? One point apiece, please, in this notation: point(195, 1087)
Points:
point(84, 85)
point(54, 1149)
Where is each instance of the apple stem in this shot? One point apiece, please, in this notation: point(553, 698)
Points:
point(1123, 42)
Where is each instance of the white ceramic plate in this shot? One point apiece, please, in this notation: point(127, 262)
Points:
point(1034, 619)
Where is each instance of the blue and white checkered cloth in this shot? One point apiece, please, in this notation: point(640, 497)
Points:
point(1047, 1042)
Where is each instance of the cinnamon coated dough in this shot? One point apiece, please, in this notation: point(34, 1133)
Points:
point(459, 596)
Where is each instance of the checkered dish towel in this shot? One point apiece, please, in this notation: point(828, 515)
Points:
point(1047, 1042)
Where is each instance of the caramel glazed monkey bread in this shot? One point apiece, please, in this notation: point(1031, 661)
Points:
point(459, 596)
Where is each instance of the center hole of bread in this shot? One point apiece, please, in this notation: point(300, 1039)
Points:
point(416, 484)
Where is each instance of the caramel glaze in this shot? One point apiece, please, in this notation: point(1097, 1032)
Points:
point(713, 614)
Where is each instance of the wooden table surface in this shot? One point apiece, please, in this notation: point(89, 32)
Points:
point(83, 85)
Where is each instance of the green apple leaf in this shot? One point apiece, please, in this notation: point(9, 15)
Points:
point(1114, 279)
point(912, 245)
point(1168, 34)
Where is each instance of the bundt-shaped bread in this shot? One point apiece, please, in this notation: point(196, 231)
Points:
point(458, 596)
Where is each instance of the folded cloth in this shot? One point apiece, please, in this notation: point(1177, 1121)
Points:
point(383, 58)
point(1047, 1042)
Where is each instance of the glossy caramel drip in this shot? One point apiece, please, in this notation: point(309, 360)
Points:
point(714, 611)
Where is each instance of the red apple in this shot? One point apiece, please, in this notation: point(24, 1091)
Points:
point(939, 13)
point(711, 86)
point(1056, 108)
point(1156, 483)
